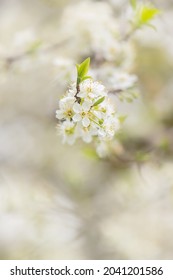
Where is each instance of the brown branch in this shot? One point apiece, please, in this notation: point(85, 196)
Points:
point(9, 60)
point(115, 91)
point(78, 99)
point(129, 34)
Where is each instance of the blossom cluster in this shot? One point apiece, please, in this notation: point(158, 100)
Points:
point(86, 112)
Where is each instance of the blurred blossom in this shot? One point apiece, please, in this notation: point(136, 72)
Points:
point(103, 149)
point(63, 70)
point(24, 38)
point(139, 229)
point(119, 4)
point(29, 218)
point(92, 27)
point(122, 81)
point(164, 29)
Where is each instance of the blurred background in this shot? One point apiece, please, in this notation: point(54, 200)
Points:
point(63, 202)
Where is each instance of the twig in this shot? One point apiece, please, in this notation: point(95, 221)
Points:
point(9, 60)
point(115, 91)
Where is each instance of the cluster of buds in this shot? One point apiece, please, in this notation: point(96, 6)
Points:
point(85, 111)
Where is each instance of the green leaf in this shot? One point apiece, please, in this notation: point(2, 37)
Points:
point(133, 3)
point(77, 66)
point(100, 100)
point(148, 13)
point(85, 78)
point(144, 14)
point(83, 68)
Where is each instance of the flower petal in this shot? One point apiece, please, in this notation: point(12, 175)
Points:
point(86, 121)
point(77, 118)
point(77, 108)
point(59, 114)
point(86, 106)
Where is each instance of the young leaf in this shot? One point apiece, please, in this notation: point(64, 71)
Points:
point(77, 66)
point(83, 68)
point(85, 78)
point(100, 100)
point(148, 13)
point(144, 14)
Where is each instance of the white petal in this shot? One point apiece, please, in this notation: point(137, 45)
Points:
point(66, 102)
point(102, 132)
point(91, 95)
point(77, 117)
point(77, 108)
point(82, 94)
point(71, 93)
point(59, 114)
point(62, 104)
point(86, 122)
point(86, 106)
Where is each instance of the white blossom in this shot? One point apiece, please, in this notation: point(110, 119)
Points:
point(109, 127)
point(87, 113)
point(66, 108)
point(87, 133)
point(92, 26)
point(82, 113)
point(67, 130)
point(91, 90)
point(122, 80)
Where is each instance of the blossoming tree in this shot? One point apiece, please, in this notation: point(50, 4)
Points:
point(87, 111)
